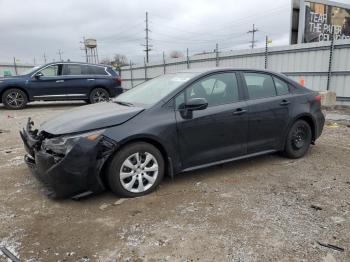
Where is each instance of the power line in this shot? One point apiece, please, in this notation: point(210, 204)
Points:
point(253, 35)
point(224, 27)
point(195, 36)
point(214, 39)
point(126, 29)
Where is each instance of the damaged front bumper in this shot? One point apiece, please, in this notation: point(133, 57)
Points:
point(73, 174)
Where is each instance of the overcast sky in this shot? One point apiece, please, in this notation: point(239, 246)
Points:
point(31, 28)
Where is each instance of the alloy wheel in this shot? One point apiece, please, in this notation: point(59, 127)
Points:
point(15, 99)
point(100, 96)
point(139, 172)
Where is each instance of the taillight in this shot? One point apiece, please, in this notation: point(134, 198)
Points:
point(118, 80)
point(318, 98)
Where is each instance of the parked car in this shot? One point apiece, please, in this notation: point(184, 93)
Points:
point(173, 123)
point(60, 81)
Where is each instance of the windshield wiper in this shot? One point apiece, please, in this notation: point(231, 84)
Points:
point(123, 103)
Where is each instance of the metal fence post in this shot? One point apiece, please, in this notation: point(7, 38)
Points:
point(144, 59)
point(187, 59)
point(131, 76)
point(331, 49)
point(164, 65)
point(15, 65)
point(266, 54)
point(217, 55)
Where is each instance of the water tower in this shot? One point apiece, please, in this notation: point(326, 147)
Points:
point(91, 50)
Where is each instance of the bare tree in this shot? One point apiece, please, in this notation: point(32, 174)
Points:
point(176, 54)
point(119, 60)
point(106, 61)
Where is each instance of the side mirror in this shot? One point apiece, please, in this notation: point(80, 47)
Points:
point(38, 75)
point(196, 104)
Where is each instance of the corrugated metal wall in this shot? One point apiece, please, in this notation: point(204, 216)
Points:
point(307, 61)
point(10, 67)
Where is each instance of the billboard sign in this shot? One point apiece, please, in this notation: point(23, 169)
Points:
point(318, 20)
point(322, 21)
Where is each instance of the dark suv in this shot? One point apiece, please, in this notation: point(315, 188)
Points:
point(60, 81)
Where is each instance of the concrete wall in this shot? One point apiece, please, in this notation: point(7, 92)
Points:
point(304, 61)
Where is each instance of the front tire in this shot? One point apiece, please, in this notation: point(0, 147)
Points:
point(98, 95)
point(14, 99)
point(298, 139)
point(135, 170)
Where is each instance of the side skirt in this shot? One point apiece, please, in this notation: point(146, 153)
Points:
point(229, 160)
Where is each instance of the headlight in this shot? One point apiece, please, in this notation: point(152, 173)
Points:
point(63, 144)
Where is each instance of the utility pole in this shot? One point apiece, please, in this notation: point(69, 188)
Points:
point(131, 76)
point(164, 66)
point(60, 54)
point(187, 59)
point(15, 64)
point(97, 56)
point(147, 45)
point(44, 56)
point(253, 35)
point(217, 55)
point(85, 50)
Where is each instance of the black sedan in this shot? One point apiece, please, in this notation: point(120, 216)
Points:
point(171, 124)
point(60, 81)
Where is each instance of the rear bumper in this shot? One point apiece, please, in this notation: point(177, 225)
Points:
point(74, 174)
point(115, 91)
point(320, 120)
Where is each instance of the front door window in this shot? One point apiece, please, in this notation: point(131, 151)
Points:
point(51, 70)
point(218, 89)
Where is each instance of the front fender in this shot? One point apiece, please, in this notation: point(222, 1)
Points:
point(167, 149)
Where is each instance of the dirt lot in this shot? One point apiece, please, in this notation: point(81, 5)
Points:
point(263, 209)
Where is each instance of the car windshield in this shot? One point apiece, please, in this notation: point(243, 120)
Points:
point(30, 70)
point(152, 91)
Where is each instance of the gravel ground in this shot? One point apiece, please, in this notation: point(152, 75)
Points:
point(263, 209)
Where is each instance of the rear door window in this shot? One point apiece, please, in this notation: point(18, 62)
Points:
point(112, 71)
point(259, 85)
point(74, 69)
point(97, 70)
point(281, 87)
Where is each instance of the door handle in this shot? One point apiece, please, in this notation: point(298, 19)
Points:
point(59, 81)
point(91, 79)
point(284, 102)
point(239, 111)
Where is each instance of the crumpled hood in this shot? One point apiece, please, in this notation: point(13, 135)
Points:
point(85, 118)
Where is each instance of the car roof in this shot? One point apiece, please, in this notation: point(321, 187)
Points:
point(80, 63)
point(217, 69)
point(204, 71)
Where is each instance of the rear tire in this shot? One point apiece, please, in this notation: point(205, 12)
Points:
point(135, 170)
point(298, 139)
point(98, 95)
point(14, 99)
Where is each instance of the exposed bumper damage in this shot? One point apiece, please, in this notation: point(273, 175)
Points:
point(73, 174)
